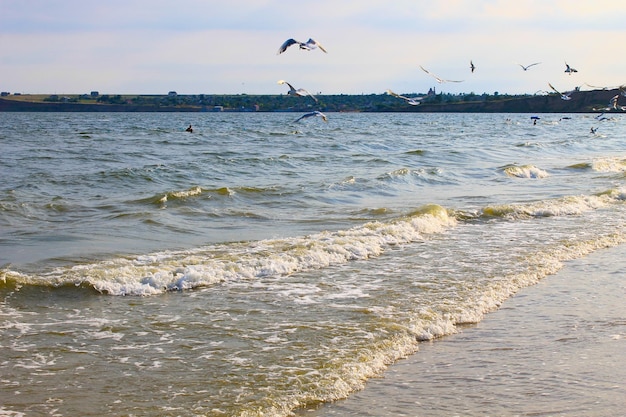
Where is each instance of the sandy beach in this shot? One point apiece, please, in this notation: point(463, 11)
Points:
point(555, 349)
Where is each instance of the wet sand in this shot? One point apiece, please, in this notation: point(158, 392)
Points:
point(555, 349)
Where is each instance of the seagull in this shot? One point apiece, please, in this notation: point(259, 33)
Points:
point(614, 104)
point(313, 114)
point(525, 68)
point(307, 46)
point(564, 96)
point(569, 70)
point(413, 101)
point(439, 80)
point(472, 67)
point(301, 92)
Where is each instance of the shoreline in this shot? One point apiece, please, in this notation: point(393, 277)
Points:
point(557, 348)
point(582, 102)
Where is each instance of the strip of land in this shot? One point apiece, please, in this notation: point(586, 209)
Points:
point(580, 102)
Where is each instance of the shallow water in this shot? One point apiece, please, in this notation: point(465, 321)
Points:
point(555, 349)
point(259, 265)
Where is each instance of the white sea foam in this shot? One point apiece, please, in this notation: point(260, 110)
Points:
point(570, 205)
point(525, 171)
point(180, 270)
point(609, 164)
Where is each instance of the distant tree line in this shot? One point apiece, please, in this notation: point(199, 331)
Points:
point(582, 101)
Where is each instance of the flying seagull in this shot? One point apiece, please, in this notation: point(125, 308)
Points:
point(614, 104)
point(313, 114)
point(525, 68)
point(472, 67)
point(564, 96)
point(301, 92)
point(307, 46)
point(569, 70)
point(413, 101)
point(439, 80)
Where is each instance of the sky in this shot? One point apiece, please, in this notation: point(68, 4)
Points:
point(230, 46)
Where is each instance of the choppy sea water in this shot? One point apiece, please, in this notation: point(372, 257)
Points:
point(257, 265)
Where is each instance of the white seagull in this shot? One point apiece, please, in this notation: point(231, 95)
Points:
point(569, 70)
point(313, 114)
point(439, 80)
point(525, 68)
point(413, 101)
point(300, 92)
point(564, 96)
point(307, 46)
point(614, 104)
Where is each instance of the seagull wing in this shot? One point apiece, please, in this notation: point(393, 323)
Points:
point(286, 45)
point(391, 93)
point(426, 71)
point(525, 68)
point(312, 44)
point(302, 92)
point(285, 82)
point(554, 89)
point(312, 114)
point(596, 87)
point(439, 80)
point(413, 101)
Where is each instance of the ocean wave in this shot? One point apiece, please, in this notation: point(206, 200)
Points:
point(183, 194)
point(525, 171)
point(609, 164)
point(565, 206)
point(205, 266)
point(180, 270)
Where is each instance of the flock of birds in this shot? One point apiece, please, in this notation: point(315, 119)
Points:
point(312, 44)
point(301, 92)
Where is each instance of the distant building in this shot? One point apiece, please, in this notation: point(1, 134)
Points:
point(218, 108)
point(172, 94)
point(5, 93)
point(94, 94)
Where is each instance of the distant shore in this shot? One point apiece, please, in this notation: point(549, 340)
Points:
point(581, 102)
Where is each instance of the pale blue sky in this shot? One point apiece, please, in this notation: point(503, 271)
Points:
point(230, 47)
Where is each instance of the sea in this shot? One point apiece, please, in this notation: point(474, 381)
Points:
point(260, 266)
